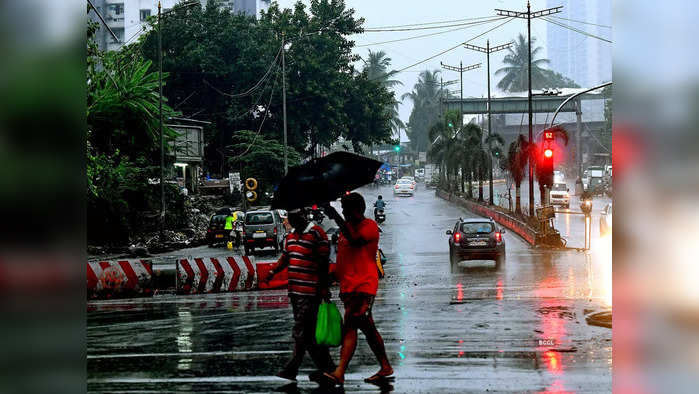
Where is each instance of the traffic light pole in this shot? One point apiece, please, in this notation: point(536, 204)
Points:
point(528, 15)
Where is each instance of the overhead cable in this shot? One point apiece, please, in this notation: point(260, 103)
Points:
point(428, 35)
point(576, 30)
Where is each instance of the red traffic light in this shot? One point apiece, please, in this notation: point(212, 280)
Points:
point(548, 153)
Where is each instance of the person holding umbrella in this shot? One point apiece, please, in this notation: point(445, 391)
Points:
point(306, 251)
point(359, 281)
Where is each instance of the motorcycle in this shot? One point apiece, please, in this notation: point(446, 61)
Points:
point(237, 233)
point(586, 203)
point(379, 216)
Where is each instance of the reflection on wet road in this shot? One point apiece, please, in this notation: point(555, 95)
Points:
point(519, 327)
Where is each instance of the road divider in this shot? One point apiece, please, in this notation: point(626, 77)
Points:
point(511, 223)
point(215, 275)
point(117, 279)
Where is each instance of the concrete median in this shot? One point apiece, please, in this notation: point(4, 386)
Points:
point(511, 223)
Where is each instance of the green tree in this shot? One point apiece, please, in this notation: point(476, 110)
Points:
point(515, 73)
point(516, 163)
point(376, 66)
point(425, 97)
point(259, 157)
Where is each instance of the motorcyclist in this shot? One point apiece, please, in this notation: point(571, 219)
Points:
point(379, 205)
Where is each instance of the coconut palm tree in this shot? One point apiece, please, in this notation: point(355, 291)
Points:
point(425, 97)
point(377, 68)
point(445, 148)
point(515, 72)
point(517, 158)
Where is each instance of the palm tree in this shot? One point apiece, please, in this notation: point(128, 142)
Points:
point(425, 97)
point(516, 69)
point(376, 67)
point(445, 148)
point(517, 158)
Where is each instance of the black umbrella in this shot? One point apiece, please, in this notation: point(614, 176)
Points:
point(324, 180)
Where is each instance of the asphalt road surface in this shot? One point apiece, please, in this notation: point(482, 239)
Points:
point(519, 328)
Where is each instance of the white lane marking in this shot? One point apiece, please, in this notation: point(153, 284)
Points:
point(208, 379)
point(184, 354)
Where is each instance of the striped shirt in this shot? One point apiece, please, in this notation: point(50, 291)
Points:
point(306, 255)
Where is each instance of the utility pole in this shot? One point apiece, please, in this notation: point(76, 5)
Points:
point(528, 15)
point(286, 160)
point(160, 111)
point(461, 70)
point(488, 50)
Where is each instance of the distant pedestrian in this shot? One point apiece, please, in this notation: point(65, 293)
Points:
point(359, 280)
point(306, 252)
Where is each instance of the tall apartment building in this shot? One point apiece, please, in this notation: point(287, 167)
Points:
point(127, 18)
point(586, 60)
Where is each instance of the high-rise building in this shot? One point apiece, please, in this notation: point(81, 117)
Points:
point(584, 59)
point(127, 18)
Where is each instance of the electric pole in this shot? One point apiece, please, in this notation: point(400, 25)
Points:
point(461, 70)
point(488, 50)
point(286, 160)
point(160, 111)
point(528, 15)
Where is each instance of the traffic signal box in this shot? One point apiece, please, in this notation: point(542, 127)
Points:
point(546, 160)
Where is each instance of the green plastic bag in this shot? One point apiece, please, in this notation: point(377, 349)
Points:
point(328, 325)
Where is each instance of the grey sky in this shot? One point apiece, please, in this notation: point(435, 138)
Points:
point(399, 12)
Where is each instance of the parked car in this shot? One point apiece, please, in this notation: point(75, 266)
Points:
point(476, 239)
point(404, 186)
point(263, 228)
point(605, 220)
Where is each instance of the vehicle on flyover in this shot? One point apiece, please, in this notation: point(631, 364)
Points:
point(476, 239)
point(404, 186)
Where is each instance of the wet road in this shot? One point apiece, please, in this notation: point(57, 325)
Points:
point(517, 328)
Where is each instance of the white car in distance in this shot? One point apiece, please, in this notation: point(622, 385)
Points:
point(404, 186)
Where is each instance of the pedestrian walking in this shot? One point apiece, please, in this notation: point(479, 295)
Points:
point(359, 280)
point(305, 252)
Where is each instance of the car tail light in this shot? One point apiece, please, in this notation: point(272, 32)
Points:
point(412, 187)
point(396, 186)
point(498, 237)
point(314, 207)
point(457, 237)
point(275, 231)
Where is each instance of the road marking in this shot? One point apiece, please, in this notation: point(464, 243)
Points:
point(184, 354)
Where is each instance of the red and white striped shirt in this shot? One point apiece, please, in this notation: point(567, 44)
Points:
point(307, 255)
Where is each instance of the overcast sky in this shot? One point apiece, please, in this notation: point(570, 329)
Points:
point(401, 12)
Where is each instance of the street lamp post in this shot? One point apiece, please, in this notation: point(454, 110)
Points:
point(160, 112)
point(286, 162)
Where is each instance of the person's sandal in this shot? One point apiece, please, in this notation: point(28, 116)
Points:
point(331, 380)
point(378, 379)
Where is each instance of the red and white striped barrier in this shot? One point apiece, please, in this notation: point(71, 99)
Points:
point(125, 278)
point(215, 275)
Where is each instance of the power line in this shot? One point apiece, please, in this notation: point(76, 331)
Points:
point(583, 22)
point(452, 48)
point(427, 35)
point(576, 30)
point(259, 129)
point(426, 27)
point(253, 88)
point(430, 23)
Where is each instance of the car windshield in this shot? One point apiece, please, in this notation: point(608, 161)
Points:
point(477, 228)
point(404, 182)
point(559, 187)
point(218, 219)
point(259, 218)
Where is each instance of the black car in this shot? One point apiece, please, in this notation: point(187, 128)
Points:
point(476, 239)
